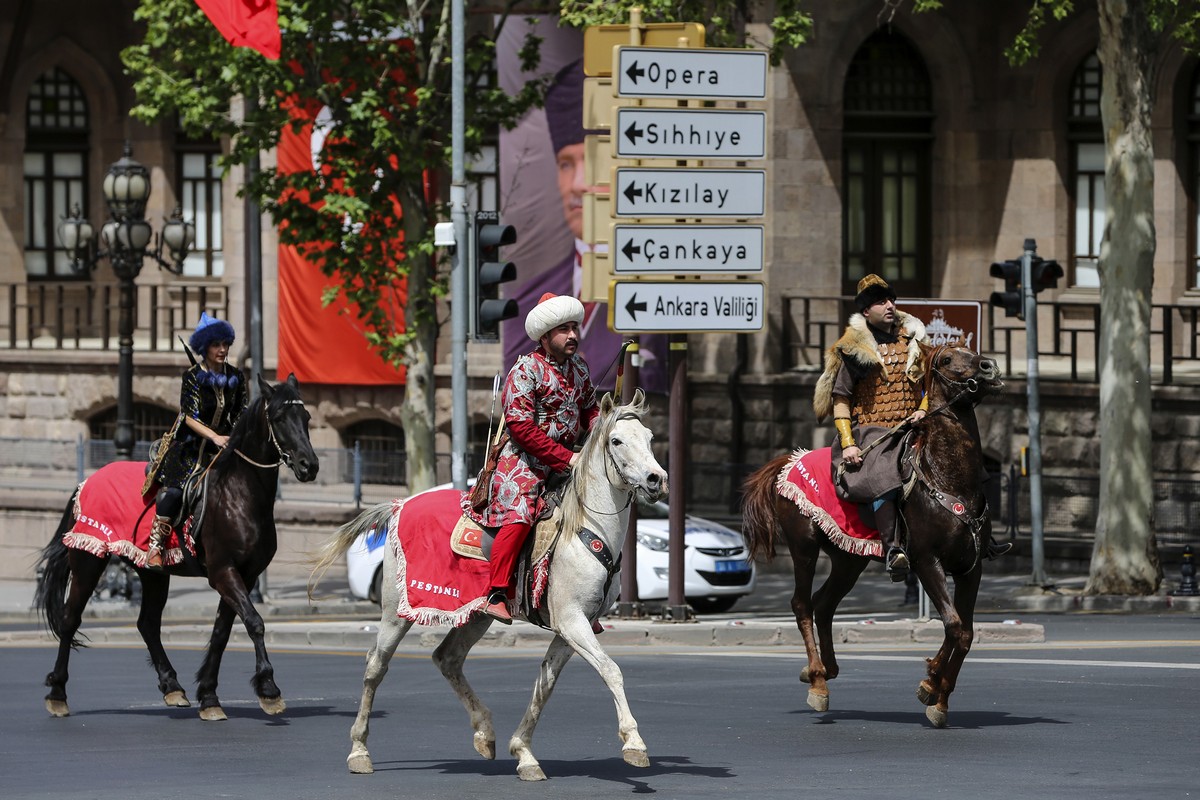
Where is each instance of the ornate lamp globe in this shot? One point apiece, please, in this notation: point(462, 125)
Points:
point(127, 187)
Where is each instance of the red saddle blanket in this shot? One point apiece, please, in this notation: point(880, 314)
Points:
point(113, 518)
point(437, 586)
point(807, 481)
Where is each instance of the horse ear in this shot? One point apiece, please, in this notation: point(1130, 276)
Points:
point(639, 397)
point(292, 382)
point(606, 404)
point(264, 388)
point(926, 349)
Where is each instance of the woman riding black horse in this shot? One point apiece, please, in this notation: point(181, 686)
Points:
point(211, 398)
point(235, 541)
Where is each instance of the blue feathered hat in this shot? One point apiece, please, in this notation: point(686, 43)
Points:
point(210, 330)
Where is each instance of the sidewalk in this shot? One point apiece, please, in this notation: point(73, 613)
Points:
point(871, 614)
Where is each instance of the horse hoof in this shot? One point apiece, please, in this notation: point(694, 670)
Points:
point(485, 747)
point(936, 716)
point(57, 708)
point(636, 758)
point(272, 705)
point(818, 701)
point(360, 764)
point(213, 714)
point(926, 694)
point(530, 772)
point(804, 676)
point(176, 700)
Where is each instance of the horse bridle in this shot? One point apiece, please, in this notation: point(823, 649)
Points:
point(607, 475)
point(285, 458)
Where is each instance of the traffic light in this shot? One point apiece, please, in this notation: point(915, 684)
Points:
point(488, 271)
point(1011, 299)
point(1045, 274)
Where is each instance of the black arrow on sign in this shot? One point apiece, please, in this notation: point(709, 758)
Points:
point(633, 306)
point(629, 250)
point(634, 73)
point(633, 133)
point(631, 192)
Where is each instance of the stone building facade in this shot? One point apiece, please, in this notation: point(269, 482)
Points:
point(910, 148)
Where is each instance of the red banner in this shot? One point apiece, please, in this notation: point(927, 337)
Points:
point(246, 23)
point(322, 344)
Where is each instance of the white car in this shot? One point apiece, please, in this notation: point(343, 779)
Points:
point(716, 570)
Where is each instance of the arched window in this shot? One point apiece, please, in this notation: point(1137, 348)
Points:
point(149, 423)
point(198, 177)
point(1086, 140)
point(56, 147)
point(886, 216)
point(381, 445)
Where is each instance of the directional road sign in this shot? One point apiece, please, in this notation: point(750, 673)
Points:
point(685, 133)
point(685, 307)
point(681, 73)
point(686, 249)
point(676, 193)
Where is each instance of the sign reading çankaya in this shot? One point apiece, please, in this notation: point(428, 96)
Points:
point(692, 307)
point(681, 73)
point(639, 192)
point(686, 249)
point(686, 133)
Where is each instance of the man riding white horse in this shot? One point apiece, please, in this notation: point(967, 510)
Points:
point(549, 404)
point(871, 384)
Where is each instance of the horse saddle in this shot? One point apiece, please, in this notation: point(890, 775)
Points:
point(467, 539)
point(470, 540)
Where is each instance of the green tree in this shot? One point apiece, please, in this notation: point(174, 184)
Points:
point(1125, 554)
point(382, 69)
point(366, 214)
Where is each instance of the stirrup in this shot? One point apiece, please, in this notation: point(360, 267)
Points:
point(996, 549)
point(897, 564)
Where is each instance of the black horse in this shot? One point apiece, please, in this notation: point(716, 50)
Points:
point(236, 535)
point(946, 511)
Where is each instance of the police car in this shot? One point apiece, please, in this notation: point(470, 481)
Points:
point(716, 566)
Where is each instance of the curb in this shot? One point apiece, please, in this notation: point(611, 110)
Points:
point(523, 635)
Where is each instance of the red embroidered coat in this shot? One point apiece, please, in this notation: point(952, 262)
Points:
point(547, 409)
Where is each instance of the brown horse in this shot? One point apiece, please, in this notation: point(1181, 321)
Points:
point(947, 515)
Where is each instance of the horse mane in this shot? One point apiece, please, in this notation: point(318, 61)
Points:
point(597, 439)
point(245, 429)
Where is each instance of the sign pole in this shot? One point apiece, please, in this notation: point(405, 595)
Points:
point(677, 608)
point(1035, 415)
point(630, 606)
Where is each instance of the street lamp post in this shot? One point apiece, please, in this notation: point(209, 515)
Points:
point(125, 241)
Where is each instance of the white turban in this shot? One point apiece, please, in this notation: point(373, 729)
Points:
point(551, 311)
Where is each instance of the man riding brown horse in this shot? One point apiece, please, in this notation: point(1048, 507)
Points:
point(872, 384)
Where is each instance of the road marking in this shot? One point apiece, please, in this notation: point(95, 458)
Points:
point(1058, 662)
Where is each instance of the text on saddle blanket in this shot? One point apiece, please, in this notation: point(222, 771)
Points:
point(807, 480)
point(112, 517)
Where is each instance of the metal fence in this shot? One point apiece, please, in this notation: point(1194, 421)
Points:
point(1068, 342)
point(1070, 502)
point(346, 475)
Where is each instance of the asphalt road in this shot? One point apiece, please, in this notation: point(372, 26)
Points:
point(1104, 709)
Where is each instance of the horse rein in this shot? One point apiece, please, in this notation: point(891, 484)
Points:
point(285, 458)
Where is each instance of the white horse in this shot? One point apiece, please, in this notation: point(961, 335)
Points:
point(615, 464)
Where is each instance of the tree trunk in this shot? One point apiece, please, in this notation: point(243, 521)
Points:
point(1125, 555)
point(417, 412)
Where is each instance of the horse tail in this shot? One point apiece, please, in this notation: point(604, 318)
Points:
point(375, 517)
point(54, 572)
point(759, 521)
